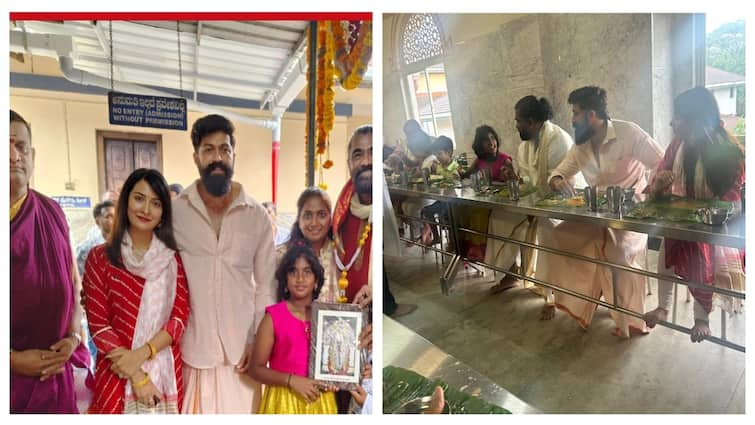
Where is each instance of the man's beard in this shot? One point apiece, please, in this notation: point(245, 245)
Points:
point(525, 135)
point(582, 132)
point(363, 186)
point(217, 185)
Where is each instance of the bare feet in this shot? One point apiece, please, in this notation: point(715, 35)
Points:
point(621, 334)
point(548, 312)
point(653, 317)
point(700, 331)
point(437, 403)
point(507, 282)
point(427, 235)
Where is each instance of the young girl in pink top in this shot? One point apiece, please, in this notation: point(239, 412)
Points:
point(281, 348)
point(486, 146)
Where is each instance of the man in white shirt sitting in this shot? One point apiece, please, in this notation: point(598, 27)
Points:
point(608, 153)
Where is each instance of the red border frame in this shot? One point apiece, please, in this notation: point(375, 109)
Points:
point(189, 16)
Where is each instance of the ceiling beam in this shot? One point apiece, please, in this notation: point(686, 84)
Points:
point(105, 44)
point(291, 79)
point(125, 66)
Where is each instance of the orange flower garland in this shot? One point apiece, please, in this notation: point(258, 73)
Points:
point(351, 66)
point(334, 60)
point(325, 94)
point(325, 101)
point(343, 281)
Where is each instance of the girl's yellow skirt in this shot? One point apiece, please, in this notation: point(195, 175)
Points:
point(282, 400)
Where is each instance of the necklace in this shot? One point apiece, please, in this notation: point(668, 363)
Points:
point(139, 253)
point(343, 282)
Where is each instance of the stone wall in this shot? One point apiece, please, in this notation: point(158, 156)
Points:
point(394, 113)
point(488, 74)
point(610, 51)
point(663, 93)
point(633, 56)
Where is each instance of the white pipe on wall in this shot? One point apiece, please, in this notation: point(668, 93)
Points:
point(62, 47)
point(78, 76)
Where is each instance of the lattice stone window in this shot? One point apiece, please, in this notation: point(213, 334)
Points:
point(421, 39)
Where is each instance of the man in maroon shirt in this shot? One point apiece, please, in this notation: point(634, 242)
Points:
point(352, 220)
point(352, 230)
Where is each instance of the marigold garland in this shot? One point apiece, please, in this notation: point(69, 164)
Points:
point(335, 60)
point(352, 65)
point(325, 93)
point(343, 281)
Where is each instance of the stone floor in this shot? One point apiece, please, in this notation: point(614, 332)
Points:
point(557, 367)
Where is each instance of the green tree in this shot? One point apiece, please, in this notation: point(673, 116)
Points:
point(739, 129)
point(726, 50)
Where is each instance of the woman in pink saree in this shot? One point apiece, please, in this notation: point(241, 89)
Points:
point(703, 162)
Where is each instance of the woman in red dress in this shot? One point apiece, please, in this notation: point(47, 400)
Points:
point(137, 303)
point(703, 161)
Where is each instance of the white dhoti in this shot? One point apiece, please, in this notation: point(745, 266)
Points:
point(504, 255)
point(514, 226)
point(617, 246)
point(219, 390)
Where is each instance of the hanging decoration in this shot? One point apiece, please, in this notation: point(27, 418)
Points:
point(353, 51)
point(325, 102)
point(344, 49)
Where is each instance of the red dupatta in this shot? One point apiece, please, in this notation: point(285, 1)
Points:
point(693, 260)
point(341, 209)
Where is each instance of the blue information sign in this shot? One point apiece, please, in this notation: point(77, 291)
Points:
point(73, 201)
point(146, 111)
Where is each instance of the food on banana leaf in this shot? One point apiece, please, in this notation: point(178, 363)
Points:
point(402, 385)
point(576, 201)
point(434, 178)
point(558, 200)
point(525, 189)
point(437, 181)
point(676, 209)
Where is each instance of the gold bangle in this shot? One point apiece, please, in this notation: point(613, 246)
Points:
point(152, 351)
point(141, 383)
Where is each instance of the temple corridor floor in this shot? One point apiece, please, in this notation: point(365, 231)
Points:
point(559, 368)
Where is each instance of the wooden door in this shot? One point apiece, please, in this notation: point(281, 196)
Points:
point(145, 155)
point(119, 162)
point(119, 154)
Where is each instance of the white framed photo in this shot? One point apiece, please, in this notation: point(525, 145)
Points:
point(335, 357)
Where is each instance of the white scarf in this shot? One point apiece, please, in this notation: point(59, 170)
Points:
point(360, 210)
point(363, 212)
point(160, 269)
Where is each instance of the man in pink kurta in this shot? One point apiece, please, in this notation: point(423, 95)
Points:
point(225, 239)
point(608, 153)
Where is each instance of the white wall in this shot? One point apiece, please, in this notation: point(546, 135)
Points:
point(88, 113)
point(726, 105)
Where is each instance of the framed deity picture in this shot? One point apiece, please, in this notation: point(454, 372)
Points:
point(334, 356)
